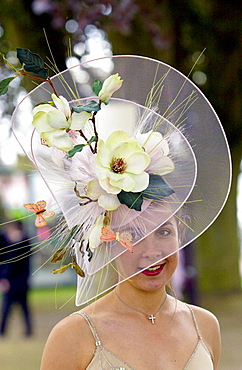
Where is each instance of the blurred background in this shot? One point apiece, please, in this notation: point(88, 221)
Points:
point(176, 32)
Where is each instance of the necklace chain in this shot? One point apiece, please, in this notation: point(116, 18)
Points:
point(150, 316)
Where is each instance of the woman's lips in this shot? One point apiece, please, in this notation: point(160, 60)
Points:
point(153, 270)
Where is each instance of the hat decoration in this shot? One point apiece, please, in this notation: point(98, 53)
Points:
point(121, 158)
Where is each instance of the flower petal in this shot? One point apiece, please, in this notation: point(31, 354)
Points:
point(56, 120)
point(79, 120)
point(110, 85)
point(40, 122)
point(95, 233)
point(137, 162)
point(141, 181)
point(103, 155)
point(43, 108)
point(58, 138)
point(62, 105)
point(152, 141)
point(108, 187)
point(161, 166)
point(124, 150)
point(122, 181)
point(94, 190)
point(109, 202)
point(117, 137)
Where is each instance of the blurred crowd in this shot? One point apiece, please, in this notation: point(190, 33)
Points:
point(14, 274)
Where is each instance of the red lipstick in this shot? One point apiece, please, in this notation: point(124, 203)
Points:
point(153, 270)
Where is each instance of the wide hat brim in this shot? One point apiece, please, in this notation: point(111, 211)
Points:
point(198, 146)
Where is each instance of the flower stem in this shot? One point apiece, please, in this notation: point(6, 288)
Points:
point(85, 138)
point(23, 73)
point(95, 129)
point(52, 86)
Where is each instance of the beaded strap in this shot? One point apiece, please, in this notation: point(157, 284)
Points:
point(195, 322)
point(91, 325)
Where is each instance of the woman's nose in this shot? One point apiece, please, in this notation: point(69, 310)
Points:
point(151, 249)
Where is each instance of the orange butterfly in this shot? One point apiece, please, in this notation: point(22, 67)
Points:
point(39, 209)
point(124, 238)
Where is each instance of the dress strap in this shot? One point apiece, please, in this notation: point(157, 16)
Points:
point(91, 326)
point(195, 322)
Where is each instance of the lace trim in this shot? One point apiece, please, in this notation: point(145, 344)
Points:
point(102, 350)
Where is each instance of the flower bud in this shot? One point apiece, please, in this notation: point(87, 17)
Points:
point(110, 85)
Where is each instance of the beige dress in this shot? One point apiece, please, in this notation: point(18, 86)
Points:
point(103, 359)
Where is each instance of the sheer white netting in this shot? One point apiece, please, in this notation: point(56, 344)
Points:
point(154, 96)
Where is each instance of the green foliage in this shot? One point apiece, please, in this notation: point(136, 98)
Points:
point(157, 188)
point(93, 106)
point(4, 85)
point(32, 62)
point(92, 140)
point(4, 59)
point(59, 255)
point(77, 148)
point(131, 200)
point(78, 270)
point(97, 86)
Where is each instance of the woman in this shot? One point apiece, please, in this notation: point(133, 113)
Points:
point(183, 337)
point(134, 183)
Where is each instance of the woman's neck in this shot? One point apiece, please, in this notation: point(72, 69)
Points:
point(138, 299)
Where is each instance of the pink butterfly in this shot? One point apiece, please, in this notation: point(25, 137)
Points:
point(39, 209)
point(124, 238)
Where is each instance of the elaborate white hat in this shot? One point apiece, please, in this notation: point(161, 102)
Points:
point(119, 171)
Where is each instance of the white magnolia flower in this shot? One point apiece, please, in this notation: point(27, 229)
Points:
point(158, 149)
point(107, 201)
point(110, 85)
point(54, 123)
point(121, 164)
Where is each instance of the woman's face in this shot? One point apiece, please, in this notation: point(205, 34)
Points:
point(155, 257)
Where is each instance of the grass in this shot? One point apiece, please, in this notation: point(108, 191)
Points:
point(50, 298)
point(48, 306)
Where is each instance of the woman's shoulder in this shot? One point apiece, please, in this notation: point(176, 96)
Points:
point(70, 342)
point(206, 320)
point(71, 325)
point(209, 330)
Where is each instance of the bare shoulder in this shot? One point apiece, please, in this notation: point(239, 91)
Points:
point(70, 342)
point(210, 331)
point(206, 320)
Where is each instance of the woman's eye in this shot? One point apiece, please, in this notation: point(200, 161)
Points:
point(163, 232)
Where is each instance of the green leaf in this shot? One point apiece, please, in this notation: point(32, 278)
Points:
point(4, 59)
point(4, 85)
point(61, 269)
point(76, 149)
point(74, 231)
point(93, 106)
point(32, 62)
point(157, 188)
point(93, 138)
point(97, 86)
point(59, 255)
point(78, 269)
point(131, 200)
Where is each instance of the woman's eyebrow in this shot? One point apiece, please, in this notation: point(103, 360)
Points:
point(168, 223)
